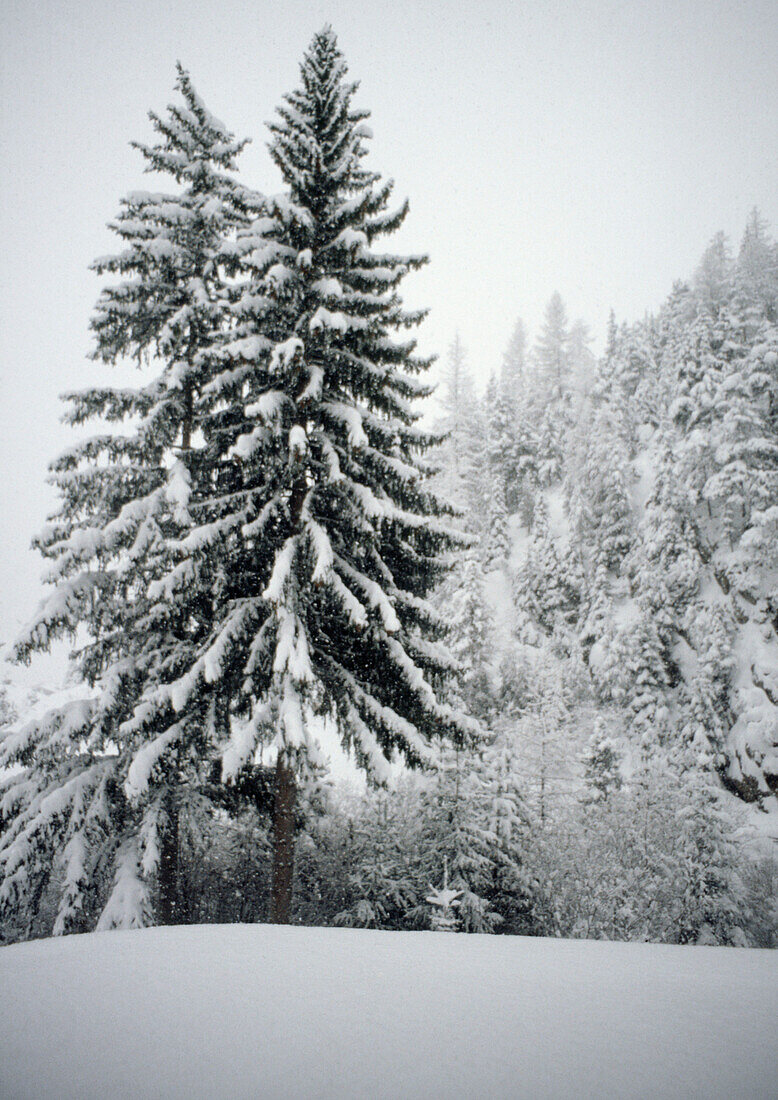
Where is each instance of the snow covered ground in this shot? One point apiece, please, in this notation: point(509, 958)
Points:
point(263, 1011)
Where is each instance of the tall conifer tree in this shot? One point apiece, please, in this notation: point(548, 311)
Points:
point(514, 363)
point(461, 475)
point(103, 778)
point(552, 397)
point(339, 538)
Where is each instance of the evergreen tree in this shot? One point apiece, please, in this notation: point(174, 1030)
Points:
point(509, 891)
point(552, 352)
point(457, 395)
point(547, 587)
point(602, 762)
point(602, 390)
point(665, 565)
point(385, 882)
point(552, 394)
point(514, 363)
point(502, 474)
point(338, 538)
point(497, 539)
point(744, 492)
point(510, 446)
point(743, 473)
point(255, 556)
point(756, 276)
point(459, 456)
point(598, 486)
point(704, 354)
point(706, 711)
point(683, 816)
point(582, 362)
point(513, 447)
point(462, 836)
point(105, 778)
point(713, 277)
point(470, 627)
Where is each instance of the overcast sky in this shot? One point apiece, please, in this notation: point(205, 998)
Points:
point(593, 148)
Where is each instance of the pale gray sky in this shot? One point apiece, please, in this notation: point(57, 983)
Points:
point(592, 148)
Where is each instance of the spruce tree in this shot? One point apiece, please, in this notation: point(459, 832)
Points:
point(516, 434)
point(505, 453)
point(496, 543)
point(598, 485)
point(552, 352)
point(514, 362)
point(338, 537)
point(547, 587)
point(602, 764)
point(706, 711)
point(470, 623)
point(581, 357)
point(462, 835)
point(743, 494)
point(104, 778)
point(713, 277)
point(461, 477)
point(508, 826)
point(552, 396)
point(756, 274)
point(605, 375)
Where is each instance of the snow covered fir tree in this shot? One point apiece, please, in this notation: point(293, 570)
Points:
point(543, 622)
point(100, 790)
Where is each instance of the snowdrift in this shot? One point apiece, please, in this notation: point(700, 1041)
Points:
point(263, 1011)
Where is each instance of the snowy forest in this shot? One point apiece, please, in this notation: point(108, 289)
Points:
point(541, 620)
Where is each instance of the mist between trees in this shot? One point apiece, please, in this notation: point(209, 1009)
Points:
point(545, 629)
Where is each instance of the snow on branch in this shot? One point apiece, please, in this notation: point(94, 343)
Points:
point(375, 594)
point(268, 406)
point(243, 742)
point(145, 759)
point(281, 570)
point(178, 490)
point(324, 318)
point(285, 353)
point(292, 655)
point(129, 905)
point(368, 748)
point(322, 549)
point(351, 417)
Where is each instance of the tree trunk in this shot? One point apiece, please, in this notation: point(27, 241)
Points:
point(168, 865)
point(283, 843)
point(283, 807)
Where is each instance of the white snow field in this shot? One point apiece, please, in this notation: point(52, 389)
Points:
point(265, 1011)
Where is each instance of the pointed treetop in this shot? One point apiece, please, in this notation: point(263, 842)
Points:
point(514, 358)
point(757, 267)
point(325, 37)
point(756, 228)
point(193, 140)
point(318, 141)
point(712, 279)
point(323, 55)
